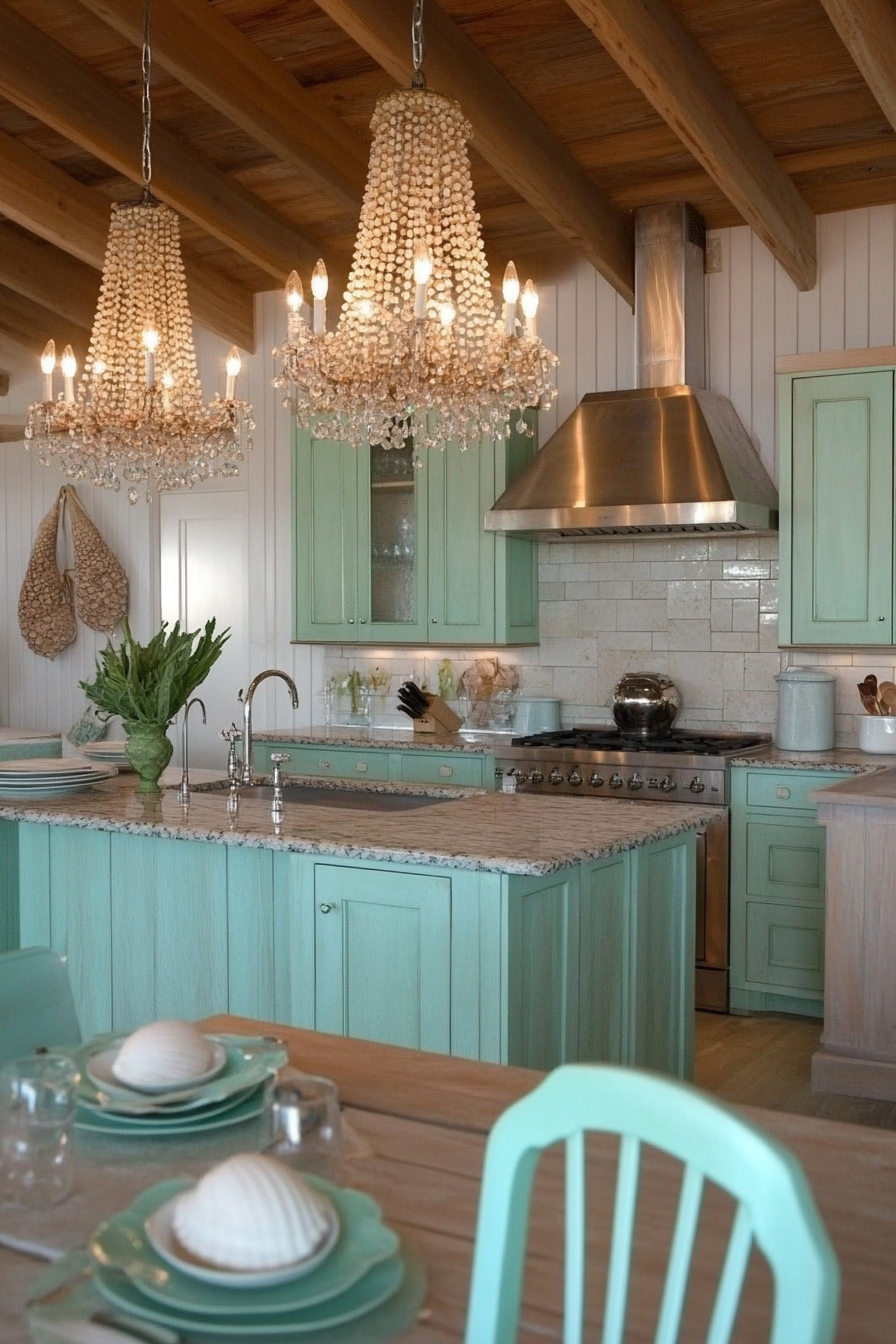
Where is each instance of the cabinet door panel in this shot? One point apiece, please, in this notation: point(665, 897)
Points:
point(393, 546)
point(449, 767)
point(461, 552)
point(325, 540)
point(539, 974)
point(661, 1004)
point(842, 523)
point(785, 946)
point(382, 956)
point(79, 875)
point(785, 860)
point(604, 980)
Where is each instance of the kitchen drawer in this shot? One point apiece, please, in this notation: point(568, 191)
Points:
point(785, 947)
point(325, 761)
point(447, 767)
point(785, 861)
point(786, 789)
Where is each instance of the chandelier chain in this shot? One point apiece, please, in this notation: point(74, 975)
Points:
point(146, 162)
point(418, 46)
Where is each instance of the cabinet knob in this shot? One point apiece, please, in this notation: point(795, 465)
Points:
point(363, 620)
point(351, 620)
point(435, 620)
point(325, 909)
point(881, 618)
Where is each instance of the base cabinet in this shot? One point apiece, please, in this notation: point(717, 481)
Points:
point(413, 766)
point(592, 962)
point(777, 891)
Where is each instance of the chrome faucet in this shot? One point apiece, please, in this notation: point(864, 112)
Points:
point(183, 793)
point(246, 777)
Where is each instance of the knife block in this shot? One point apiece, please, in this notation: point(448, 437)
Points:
point(440, 719)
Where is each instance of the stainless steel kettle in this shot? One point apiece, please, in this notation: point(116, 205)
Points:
point(645, 704)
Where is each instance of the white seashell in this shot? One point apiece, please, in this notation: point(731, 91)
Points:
point(251, 1212)
point(162, 1052)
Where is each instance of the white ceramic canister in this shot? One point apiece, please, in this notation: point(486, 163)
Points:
point(805, 709)
point(877, 732)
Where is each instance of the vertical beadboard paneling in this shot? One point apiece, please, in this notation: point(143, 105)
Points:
point(762, 328)
point(856, 309)
point(881, 248)
point(832, 281)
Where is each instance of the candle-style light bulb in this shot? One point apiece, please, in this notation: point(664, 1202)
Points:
point(511, 289)
point(150, 340)
point(69, 366)
point(422, 272)
point(320, 283)
point(529, 305)
point(295, 294)
point(47, 365)
point(232, 364)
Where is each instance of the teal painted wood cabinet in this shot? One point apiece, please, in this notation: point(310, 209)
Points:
point(388, 554)
point(837, 512)
point(777, 891)
point(414, 766)
point(592, 962)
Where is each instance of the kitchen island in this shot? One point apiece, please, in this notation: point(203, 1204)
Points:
point(506, 928)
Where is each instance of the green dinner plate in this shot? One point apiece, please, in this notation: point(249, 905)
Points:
point(377, 1285)
point(364, 1241)
point(230, 1112)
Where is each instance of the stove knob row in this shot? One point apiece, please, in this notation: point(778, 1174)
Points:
point(536, 777)
point(615, 781)
point(555, 776)
point(574, 778)
point(635, 783)
point(667, 784)
point(596, 780)
point(696, 785)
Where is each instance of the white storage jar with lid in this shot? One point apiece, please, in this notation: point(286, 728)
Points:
point(805, 709)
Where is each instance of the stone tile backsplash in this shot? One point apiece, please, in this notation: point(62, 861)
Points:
point(702, 610)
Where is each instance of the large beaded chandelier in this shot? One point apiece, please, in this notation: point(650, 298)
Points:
point(137, 417)
point(418, 332)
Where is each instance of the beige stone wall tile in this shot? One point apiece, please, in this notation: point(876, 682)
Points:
point(688, 636)
point(558, 619)
point(745, 616)
point(618, 589)
point(688, 599)
point(720, 614)
point(760, 670)
point(745, 641)
point(596, 617)
point(640, 615)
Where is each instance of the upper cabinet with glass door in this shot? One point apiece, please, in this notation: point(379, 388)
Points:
point(385, 553)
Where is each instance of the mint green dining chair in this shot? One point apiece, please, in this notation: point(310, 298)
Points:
point(36, 1004)
point(775, 1209)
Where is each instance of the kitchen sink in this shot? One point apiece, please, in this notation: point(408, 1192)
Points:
point(355, 800)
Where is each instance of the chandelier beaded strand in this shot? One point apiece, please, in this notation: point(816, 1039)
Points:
point(138, 417)
point(418, 333)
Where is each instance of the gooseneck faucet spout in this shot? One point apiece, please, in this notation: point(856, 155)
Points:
point(247, 777)
point(183, 793)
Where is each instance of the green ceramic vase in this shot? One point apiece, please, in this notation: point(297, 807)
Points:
point(149, 751)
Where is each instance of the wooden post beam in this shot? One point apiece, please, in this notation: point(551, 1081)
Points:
point(47, 201)
point(867, 29)
point(206, 53)
point(507, 132)
point(43, 78)
point(43, 273)
point(662, 59)
point(12, 433)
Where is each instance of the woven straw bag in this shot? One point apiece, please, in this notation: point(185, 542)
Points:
point(46, 614)
point(101, 585)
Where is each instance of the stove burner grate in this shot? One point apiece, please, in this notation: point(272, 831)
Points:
point(681, 742)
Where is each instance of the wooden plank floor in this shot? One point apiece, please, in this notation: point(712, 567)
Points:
point(764, 1061)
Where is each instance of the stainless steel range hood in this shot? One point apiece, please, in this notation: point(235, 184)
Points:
point(665, 457)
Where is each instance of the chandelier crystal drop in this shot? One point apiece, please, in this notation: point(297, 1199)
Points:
point(419, 347)
point(137, 417)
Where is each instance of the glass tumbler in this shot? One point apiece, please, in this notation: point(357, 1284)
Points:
point(37, 1110)
point(305, 1132)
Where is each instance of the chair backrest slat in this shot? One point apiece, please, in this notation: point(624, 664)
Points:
point(575, 1240)
point(622, 1240)
point(675, 1287)
point(732, 1281)
point(36, 1005)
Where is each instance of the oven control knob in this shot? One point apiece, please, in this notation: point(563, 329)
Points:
point(574, 778)
point(536, 777)
point(636, 782)
point(667, 784)
point(596, 780)
point(555, 776)
point(615, 781)
point(696, 785)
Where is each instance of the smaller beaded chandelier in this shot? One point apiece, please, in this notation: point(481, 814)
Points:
point(418, 332)
point(138, 417)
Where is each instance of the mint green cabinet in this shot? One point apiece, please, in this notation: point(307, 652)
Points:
point(412, 766)
point(386, 553)
point(777, 891)
point(837, 510)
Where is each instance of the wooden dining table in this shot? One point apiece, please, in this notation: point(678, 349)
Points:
point(418, 1124)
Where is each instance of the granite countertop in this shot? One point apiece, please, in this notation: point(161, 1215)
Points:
point(851, 760)
point(400, 739)
point(876, 790)
point(478, 830)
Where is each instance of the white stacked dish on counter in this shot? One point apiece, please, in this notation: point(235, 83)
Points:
point(50, 777)
point(109, 753)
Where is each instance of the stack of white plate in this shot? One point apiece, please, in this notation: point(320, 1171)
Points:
point(42, 777)
point(111, 753)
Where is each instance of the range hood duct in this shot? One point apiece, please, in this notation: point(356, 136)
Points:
point(668, 456)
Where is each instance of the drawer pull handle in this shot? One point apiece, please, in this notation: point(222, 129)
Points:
point(325, 909)
point(446, 770)
point(361, 766)
point(324, 765)
point(781, 792)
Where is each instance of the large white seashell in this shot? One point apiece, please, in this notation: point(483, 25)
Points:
point(162, 1052)
point(251, 1212)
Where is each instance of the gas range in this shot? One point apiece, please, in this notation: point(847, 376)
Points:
point(597, 761)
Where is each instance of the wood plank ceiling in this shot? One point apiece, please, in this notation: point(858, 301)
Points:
point(760, 111)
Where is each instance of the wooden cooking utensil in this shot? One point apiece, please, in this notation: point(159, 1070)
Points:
point(886, 697)
point(868, 693)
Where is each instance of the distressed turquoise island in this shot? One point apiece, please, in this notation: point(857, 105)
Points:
point(512, 929)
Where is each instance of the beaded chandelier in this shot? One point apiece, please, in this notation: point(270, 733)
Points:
point(418, 332)
point(138, 417)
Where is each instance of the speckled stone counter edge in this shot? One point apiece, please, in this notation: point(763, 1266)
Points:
point(849, 760)
point(396, 739)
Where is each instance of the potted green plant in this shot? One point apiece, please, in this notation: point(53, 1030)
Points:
point(148, 684)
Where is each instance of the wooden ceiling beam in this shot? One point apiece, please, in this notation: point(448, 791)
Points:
point(32, 325)
point(48, 276)
point(507, 133)
point(45, 79)
point(209, 55)
point(663, 60)
point(48, 202)
point(867, 28)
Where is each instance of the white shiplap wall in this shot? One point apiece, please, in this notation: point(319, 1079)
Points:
point(754, 313)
